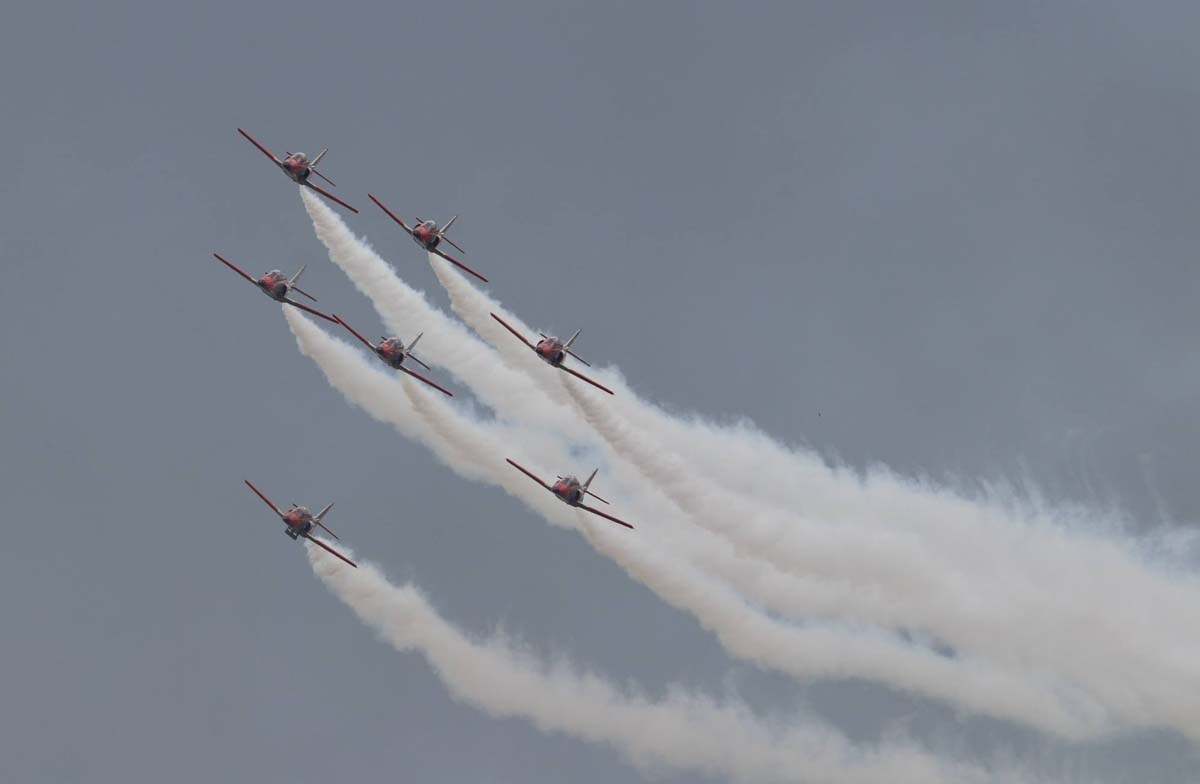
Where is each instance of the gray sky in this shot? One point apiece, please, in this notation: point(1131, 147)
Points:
point(957, 239)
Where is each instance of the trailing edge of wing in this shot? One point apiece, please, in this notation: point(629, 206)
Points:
point(577, 374)
point(511, 329)
point(329, 196)
point(329, 549)
point(234, 267)
point(459, 264)
point(390, 214)
point(419, 377)
point(526, 472)
point(307, 309)
point(266, 500)
point(254, 141)
point(353, 331)
point(597, 512)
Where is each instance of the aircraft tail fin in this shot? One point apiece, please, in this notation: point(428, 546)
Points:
point(321, 514)
point(292, 281)
point(588, 483)
point(320, 155)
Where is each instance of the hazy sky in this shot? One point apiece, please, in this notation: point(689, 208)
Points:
point(955, 238)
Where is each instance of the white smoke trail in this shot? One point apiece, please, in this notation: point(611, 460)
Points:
point(446, 343)
point(471, 448)
point(1023, 591)
point(682, 732)
point(1018, 621)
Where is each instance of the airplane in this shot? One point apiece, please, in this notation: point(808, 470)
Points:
point(427, 234)
point(300, 522)
point(393, 352)
point(553, 351)
point(277, 286)
point(570, 491)
point(298, 167)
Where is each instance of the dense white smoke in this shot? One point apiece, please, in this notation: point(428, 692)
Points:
point(1021, 587)
point(1015, 589)
point(472, 448)
point(682, 732)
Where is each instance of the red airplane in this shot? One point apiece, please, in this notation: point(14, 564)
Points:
point(277, 286)
point(298, 167)
point(393, 352)
point(553, 351)
point(570, 491)
point(429, 236)
point(300, 522)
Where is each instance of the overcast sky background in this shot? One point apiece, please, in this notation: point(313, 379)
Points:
point(955, 238)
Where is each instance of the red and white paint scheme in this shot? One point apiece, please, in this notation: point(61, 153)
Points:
point(571, 491)
point(553, 351)
point(277, 286)
point(429, 236)
point(393, 352)
point(299, 522)
point(298, 168)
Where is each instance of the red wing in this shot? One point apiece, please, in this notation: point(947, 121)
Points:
point(258, 492)
point(605, 516)
point(577, 374)
point(234, 267)
point(329, 196)
point(510, 328)
point(265, 151)
point(391, 214)
point(353, 331)
point(329, 549)
point(528, 474)
point(419, 377)
point(307, 309)
point(459, 264)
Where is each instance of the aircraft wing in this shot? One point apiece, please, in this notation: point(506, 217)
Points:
point(329, 549)
point(353, 331)
point(329, 196)
point(597, 512)
point(266, 500)
point(391, 214)
point(577, 374)
point(234, 267)
point(265, 151)
point(307, 309)
point(458, 264)
point(527, 473)
point(419, 377)
point(511, 329)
